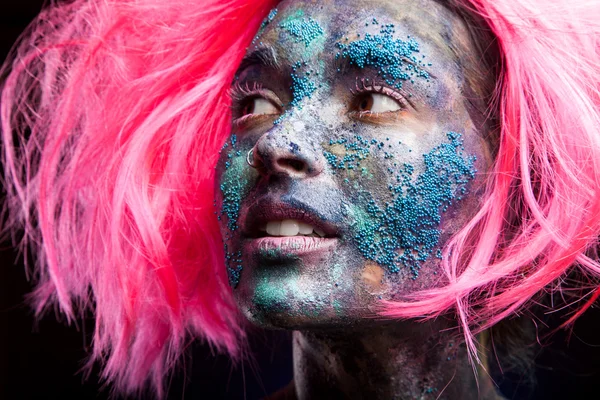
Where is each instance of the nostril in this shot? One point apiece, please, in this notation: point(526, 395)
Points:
point(292, 164)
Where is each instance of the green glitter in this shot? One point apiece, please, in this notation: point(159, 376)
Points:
point(271, 296)
point(276, 293)
point(387, 55)
point(405, 231)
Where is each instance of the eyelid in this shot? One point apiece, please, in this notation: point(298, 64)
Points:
point(364, 86)
point(240, 92)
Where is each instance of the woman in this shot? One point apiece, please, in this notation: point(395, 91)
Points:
point(399, 159)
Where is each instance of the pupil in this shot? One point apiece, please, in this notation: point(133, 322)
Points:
point(364, 104)
point(248, 108)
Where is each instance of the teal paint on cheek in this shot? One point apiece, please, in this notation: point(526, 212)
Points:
point(387, 55)
point(235, 186)
point(405, 231)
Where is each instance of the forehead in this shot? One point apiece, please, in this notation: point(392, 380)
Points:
point(439, 32)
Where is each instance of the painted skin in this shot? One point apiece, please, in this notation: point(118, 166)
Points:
point(303, 103)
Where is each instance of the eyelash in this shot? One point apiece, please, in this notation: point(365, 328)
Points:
point(239, 94)
point(362, 86)
point(242, 93)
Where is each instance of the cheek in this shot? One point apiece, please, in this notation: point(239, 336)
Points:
point(235, 181)
point(397, 208)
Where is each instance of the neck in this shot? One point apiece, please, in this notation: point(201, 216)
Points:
point(399, 361)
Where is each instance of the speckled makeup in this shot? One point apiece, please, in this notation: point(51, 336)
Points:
point(364, 130)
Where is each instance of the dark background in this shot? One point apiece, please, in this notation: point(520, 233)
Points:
point(43, 361)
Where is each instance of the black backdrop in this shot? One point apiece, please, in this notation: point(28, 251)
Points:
point(41, 361)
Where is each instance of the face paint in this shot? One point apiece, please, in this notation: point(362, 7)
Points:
point(380, 183)
point(395, 60)
point(268, 19)
point(405, 230)
point(303, 30)
point(234, 186)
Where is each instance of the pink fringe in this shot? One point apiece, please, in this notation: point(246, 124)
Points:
point(120, 107)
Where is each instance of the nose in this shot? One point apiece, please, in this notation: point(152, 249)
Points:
point(278, 155)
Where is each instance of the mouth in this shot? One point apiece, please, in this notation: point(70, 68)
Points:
point(275, 226)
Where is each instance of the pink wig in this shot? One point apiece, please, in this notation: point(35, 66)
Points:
point(120, 107)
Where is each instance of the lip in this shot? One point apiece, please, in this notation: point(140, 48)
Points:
point(286, 246)
point(265, 210)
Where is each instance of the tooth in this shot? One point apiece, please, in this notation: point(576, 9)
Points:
point(289, 227)
point(319, 232)
point(274, 228)
point(263, 227)
point(305, 229)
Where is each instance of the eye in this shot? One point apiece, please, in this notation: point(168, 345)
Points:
point(375, 103)
point(258, 106)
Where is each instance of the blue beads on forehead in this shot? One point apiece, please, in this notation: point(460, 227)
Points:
point(395, 60)
point(303, 30)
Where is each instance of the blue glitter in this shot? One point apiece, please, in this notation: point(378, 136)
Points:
point(233, 262)
point(355, 151)
point(266, 22)
point(386, 54)
point(234, 187)
point(270, 17)
point(303, 30)
point(405, 231)
point(302, 87)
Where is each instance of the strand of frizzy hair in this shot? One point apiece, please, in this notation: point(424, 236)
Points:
point(120, 107)
point(113, 113)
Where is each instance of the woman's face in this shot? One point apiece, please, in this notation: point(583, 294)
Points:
point(367, 155)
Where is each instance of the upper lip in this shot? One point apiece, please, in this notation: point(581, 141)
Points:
point(266, 210)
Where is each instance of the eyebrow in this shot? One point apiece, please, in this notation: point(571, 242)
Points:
point(264, 55)
point(344, 64)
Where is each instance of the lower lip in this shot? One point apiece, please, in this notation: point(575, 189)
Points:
point(296, 245)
